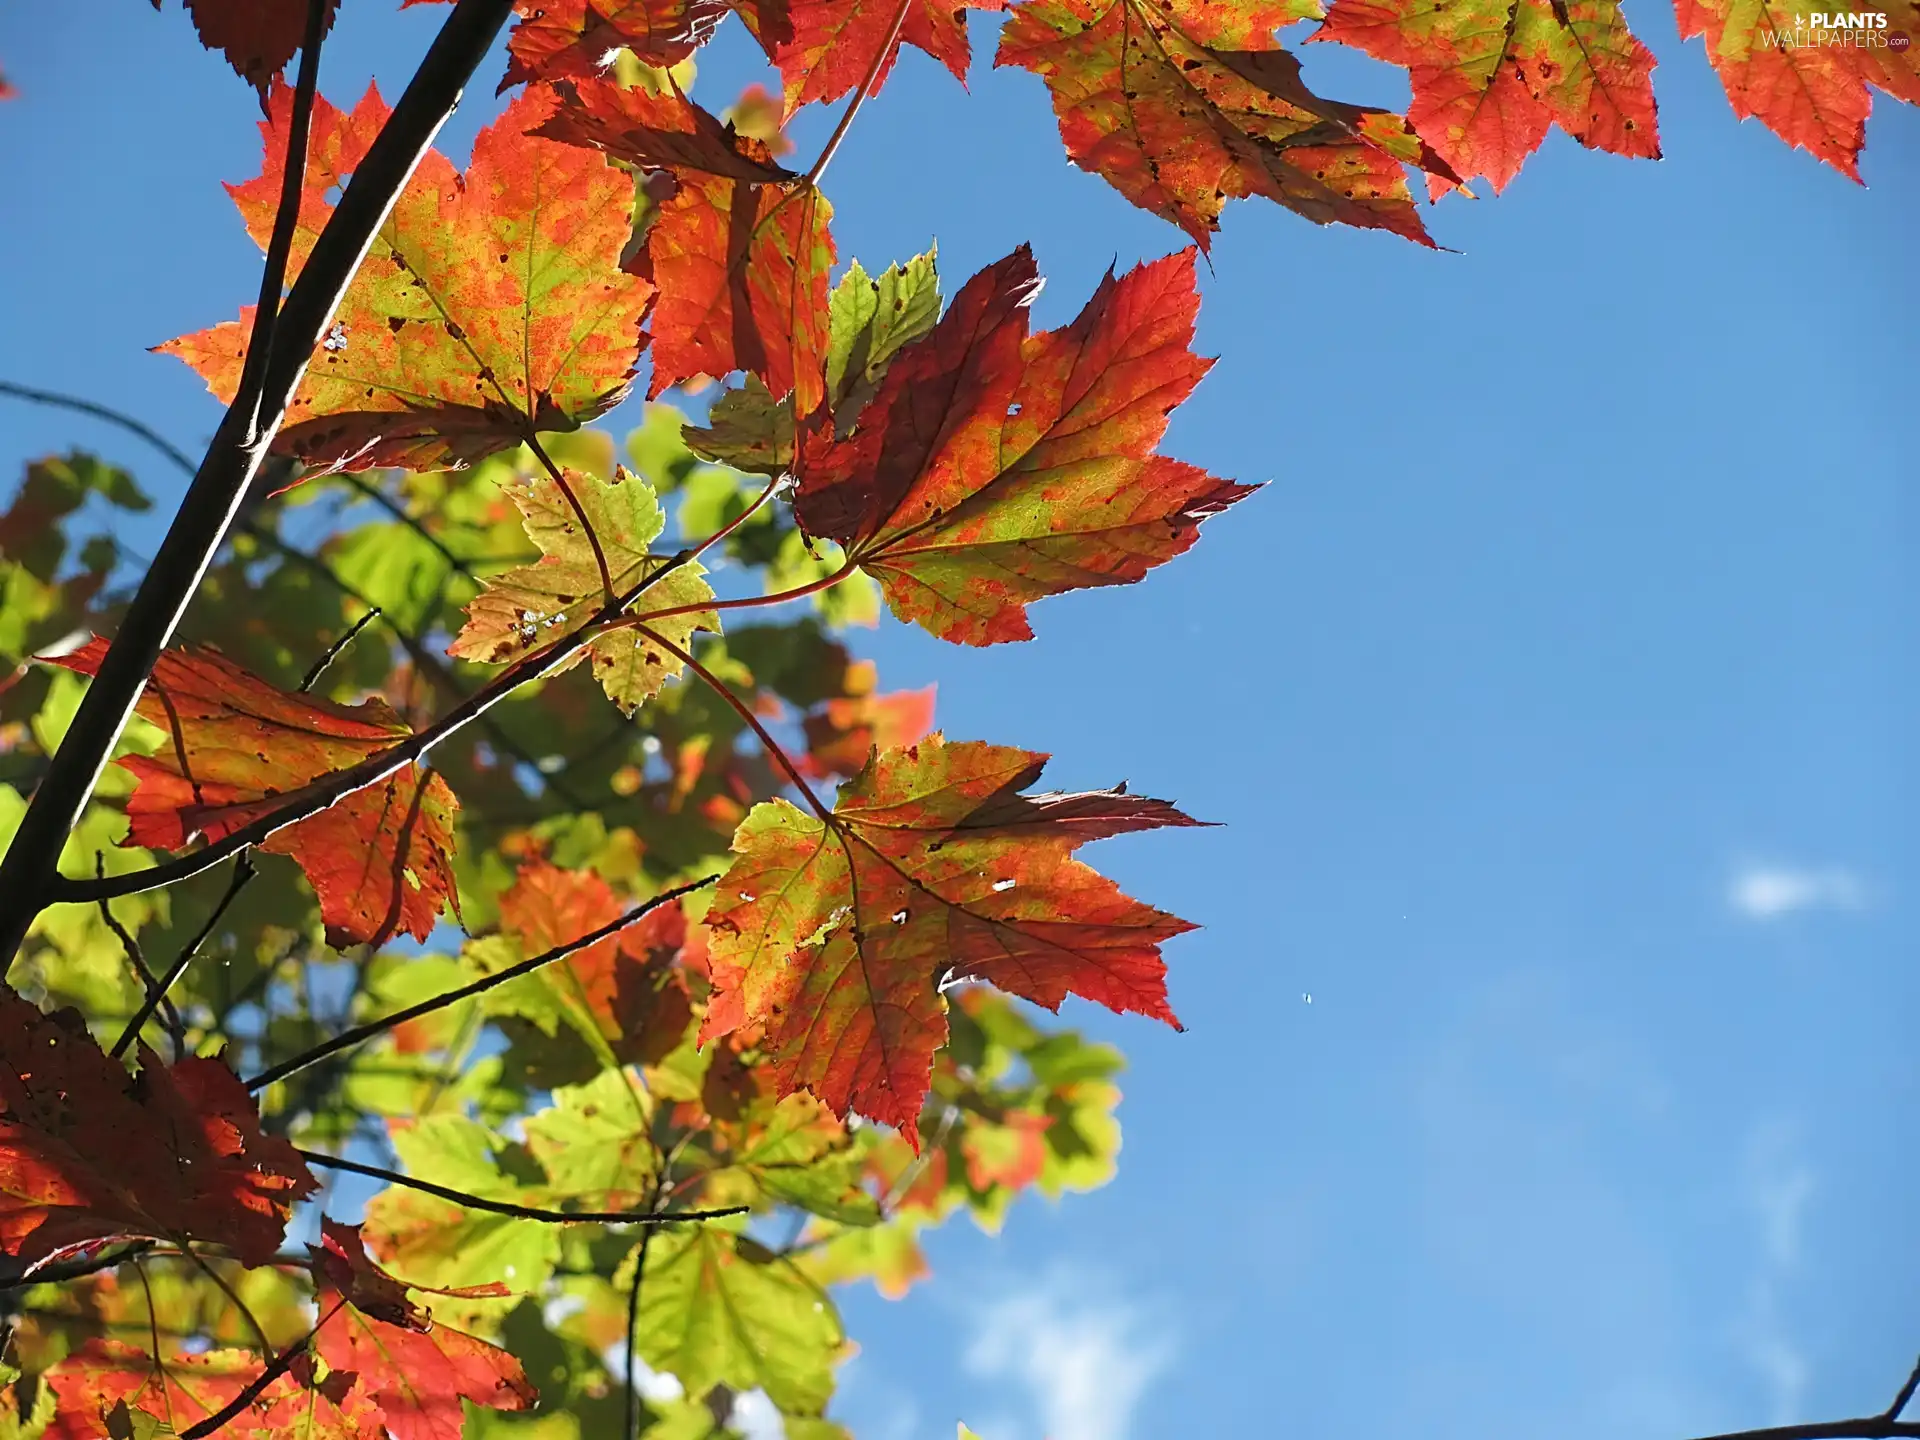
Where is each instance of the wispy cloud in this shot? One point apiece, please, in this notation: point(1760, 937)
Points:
point(1779, 1187)
point(1084, 1360)
point(1767, 892)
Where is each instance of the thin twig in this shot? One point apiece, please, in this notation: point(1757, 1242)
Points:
point(101, 412)
point(277, 1367)
point(867, 86)
point(745, 712)
point(326, 791)
point(30, 867)
point(346, 1040)
point(242, 873)
point(332, 652)
point(1892, 1411)
point(137, 958)
point(521, 1212)
point(1871, 1427)
point(632, 1429)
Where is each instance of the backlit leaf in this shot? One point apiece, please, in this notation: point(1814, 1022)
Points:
point(717, 1308)
point(525, 608)
point(739, 250)
point(1491, 77)
point(88, 1153)
point(417, 1372)
point(490, 305)
point(837, 937)
point(835, 43)
point(1816, 90)
point(379, 859)
point(1182, 105)
point(258, 37)
point(994, 467)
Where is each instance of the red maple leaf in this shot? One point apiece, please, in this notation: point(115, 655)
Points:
point(995, 467)
point(836, 935)
point(1813, 95)
point(490, 306)
point(1182, 106)
point(836, 42)
point(380, 860)
point(625, 987)
point(90, 1154)
point(416, 1371)
point(740, 249)
point(258, 37)
point(1491, 77)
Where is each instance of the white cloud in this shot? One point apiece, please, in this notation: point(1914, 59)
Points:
point(1084, 1360)
point(1766, 892)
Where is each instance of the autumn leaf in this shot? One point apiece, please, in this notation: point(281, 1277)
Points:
point(718, 1308)
point(432, 1243)
point(621, 993)
point(415, 1371)
point(102, 1381)
point(258, 37)
point(556, 39)
point(836, 935)
point(845, 731)
point(490, 306)
point(994, 467)
point(1816, 96)
point(380, 860)
point(1491, 77)
point(1181, 105)
point(797, 1152)
point(89, 1154)
point(836, 42)
point(739, 250)
point(525, 608)
point(336, 1408)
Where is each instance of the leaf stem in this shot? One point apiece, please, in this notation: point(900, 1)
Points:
point(31, 863)
point(347, 1039)
point(745, 712)
point(579, 513)
point(242, 873)
point(519, 1212)
point(744, 602)
point(277, 1367)
point(867, 85)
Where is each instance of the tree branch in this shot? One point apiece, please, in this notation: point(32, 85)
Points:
point(213, 499)
point(520, 1212)
point(347, 1039)
point(1885, 1426)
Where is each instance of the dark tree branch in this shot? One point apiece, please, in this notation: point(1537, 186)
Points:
point(1885, 1426)
point(30, 867)
point(520, 1212)
point(64, 1270)
point(632, 1428)
point(347, 1039)
point(277, 1367)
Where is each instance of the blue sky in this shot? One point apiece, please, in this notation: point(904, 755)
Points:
point(1554, 698)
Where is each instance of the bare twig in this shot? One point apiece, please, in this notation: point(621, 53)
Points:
point(346, 1040)
point(521, 1212)
point(867, 85)
point(276, 1367)
point(101, 412)
point(332, 652)
point(242, 873)
point(136, 957)
point(1885, 1426)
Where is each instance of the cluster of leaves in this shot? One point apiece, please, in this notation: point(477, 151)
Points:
point(650, 1043)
